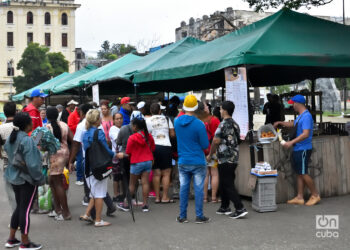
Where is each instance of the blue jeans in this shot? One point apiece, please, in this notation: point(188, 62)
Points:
point(139, 168)
point(185, 174)
point(80, 166)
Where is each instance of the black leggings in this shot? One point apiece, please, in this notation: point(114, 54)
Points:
point(24, 198)
point(227, 186)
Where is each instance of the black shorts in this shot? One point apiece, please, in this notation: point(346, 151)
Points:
point(300, 161)
point(117, 173)
point(162, 157)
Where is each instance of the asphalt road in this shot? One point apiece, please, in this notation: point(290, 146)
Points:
point(291, 227)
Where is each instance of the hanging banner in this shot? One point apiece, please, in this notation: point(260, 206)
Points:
point(237, 92)
point(96, 94)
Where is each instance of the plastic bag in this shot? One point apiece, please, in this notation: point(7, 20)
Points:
point(45, 198)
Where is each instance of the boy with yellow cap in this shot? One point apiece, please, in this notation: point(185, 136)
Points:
point(192, 140)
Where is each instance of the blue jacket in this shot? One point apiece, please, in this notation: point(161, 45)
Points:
point(192, 139)
point(32, 157)
point(126, 116)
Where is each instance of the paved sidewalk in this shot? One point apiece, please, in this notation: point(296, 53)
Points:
point(291, 227)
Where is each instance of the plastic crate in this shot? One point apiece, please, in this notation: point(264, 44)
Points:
point(264, 195)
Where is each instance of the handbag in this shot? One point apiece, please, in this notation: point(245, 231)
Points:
point(18, 161)
point(293, 130)
point(98, 159)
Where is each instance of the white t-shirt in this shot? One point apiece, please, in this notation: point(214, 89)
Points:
point(5, 132)
point(113, 134)
point(79, 133)
point(158, 127)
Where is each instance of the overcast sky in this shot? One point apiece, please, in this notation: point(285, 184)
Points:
point(153, 21)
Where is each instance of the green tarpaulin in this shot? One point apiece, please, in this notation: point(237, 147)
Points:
point(96, 75)
point(58, 80)
point(113, 81)
point(285, 47)
point(21, 96)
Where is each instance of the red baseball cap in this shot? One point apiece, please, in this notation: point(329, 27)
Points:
point(125, 100)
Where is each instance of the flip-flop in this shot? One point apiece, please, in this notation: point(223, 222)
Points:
point(102, 224)
point(86, 218)
point(167, 202)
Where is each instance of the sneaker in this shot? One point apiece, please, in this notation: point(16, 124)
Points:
point(152, 194)
point(239, 214)
point(30, 246)
point(181, 220)
point(123, 207)
point(225, 211)
point(59, 217)
point(313, 200)
point(52, 214)
point(145, 209)
point(79, 183)
point(118, 199)
point(202, 220)
point(85, 201)
point(12, 243)
point(110, 211)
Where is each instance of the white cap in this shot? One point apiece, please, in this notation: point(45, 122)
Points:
point(162, 107)
point(72, 102)
point(140, 105)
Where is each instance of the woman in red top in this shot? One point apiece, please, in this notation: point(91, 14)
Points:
point(73, 120)
point(140, 149)
point(211, 124)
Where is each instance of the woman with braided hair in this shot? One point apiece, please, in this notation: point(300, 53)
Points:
point(57, 163)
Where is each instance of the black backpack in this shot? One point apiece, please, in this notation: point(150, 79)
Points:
point(98, 160)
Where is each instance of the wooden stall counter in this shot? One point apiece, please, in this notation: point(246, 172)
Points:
point(329, 167)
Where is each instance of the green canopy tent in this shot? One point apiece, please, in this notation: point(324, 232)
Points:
point(286, 47)
point(97, 74)
point(50, 84)
point(113, 80)
point(21, 96)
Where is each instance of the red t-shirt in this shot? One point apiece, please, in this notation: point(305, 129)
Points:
point(138, 149)
point(211, 127)
point(73, 120)
point(34, 114)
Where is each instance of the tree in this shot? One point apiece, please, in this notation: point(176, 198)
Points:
point(114, 51)
point(58, 62)
point(36, 66)
point(261, 5)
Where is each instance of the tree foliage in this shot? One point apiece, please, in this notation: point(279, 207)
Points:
point(114, 51)
point(260, 5)
point(38, 66)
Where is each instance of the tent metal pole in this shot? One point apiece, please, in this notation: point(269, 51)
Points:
point(80, 95)
point(250, 133)
point(136, 92)
point(313, 99)
point(222, 94)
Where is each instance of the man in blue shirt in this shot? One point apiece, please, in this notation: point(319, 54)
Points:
point(302, 148)
point(192, 140)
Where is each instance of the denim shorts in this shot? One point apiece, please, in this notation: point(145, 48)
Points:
point(139, 168)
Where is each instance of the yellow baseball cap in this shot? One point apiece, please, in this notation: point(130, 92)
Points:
point(190, 103)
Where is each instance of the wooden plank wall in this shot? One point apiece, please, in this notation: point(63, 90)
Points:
point(329, 166)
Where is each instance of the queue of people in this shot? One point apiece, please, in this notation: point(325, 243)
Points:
point(140, 144)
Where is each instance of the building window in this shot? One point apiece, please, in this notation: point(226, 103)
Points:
point(64, 19)
point(47, 18)
point(184, 34)
point(30, 18)
point(29, 37)
point(64, 40)
point(10, 68)
point(48, 39)
point(10, 17)
point(10, 39)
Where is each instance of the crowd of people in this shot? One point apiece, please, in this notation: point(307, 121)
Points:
point(151, 146)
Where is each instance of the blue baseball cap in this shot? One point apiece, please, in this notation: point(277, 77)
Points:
point(298, 99)
point(38, 93)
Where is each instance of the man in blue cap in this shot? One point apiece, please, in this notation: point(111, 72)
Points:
point(37, 98)
point(301, 141)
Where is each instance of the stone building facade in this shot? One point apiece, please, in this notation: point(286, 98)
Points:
point(221, 23)
point(47, 22)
